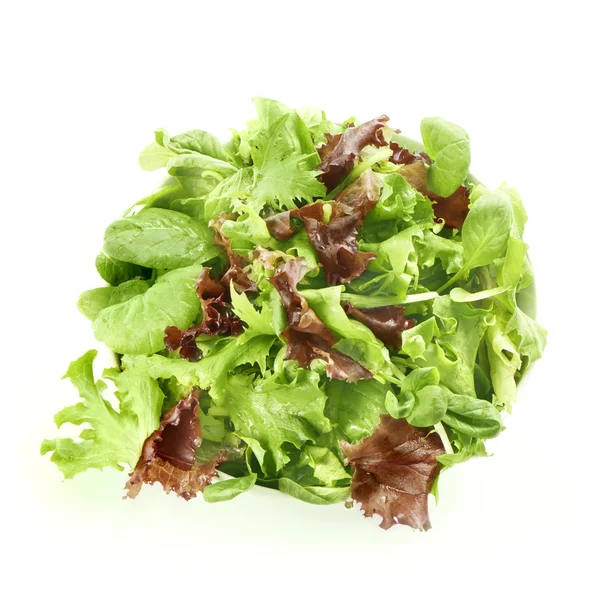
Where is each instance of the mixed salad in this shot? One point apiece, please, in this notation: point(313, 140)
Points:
point(329, 310)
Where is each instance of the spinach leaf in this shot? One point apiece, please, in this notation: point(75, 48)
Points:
point(429, 407)
point(115, 271)
point(91, 302)
point(449, 147)
point(416, 340)
point(419, 378)
point(155, 156)
point(485, 233)
point(422, 402)
point(161, 239)
point(193, 141)
point(473, 417)
point(512, 197)
point(158, 154)
point(229, 489)
point(314, 494)
point(399, 407)
point(199, 174)
point(165, 197)
point(486, 230)
point(137, 326)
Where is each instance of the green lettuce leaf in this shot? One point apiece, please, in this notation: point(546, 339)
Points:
point(326, 465)
point(212, 371)
point(114, 437)
point(432, 246)
point(531, 336)
point(400, 206)
point(466, 448)
point(272, 414)
point(354, 409)
point(284, 159)
point(394, 270)
point(221, 198)
point(257, 322)
point(358, 342)
point(454, 352)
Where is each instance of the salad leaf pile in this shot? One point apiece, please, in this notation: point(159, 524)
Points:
point(326, 309)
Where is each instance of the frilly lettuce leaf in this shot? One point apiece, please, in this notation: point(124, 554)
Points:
point(111, 438)
point(271, 414)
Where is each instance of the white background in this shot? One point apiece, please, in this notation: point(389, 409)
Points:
point(84, 86)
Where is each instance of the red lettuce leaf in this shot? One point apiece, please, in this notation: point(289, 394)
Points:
point(185, 341)
point(307, 347)
point(308, 338)
point(395, 469)
point(169, 454)
point(340, 151)
point(215, 297)
point(269, 258)
point(207, 287)
point(452, 209)
point(337, 247)
point(360, 196)
point(331, 141)
point(386, 322)
point(335, 242)
point(280, 226)
point(235, 273)
point(217, 318)
point(403, 156)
